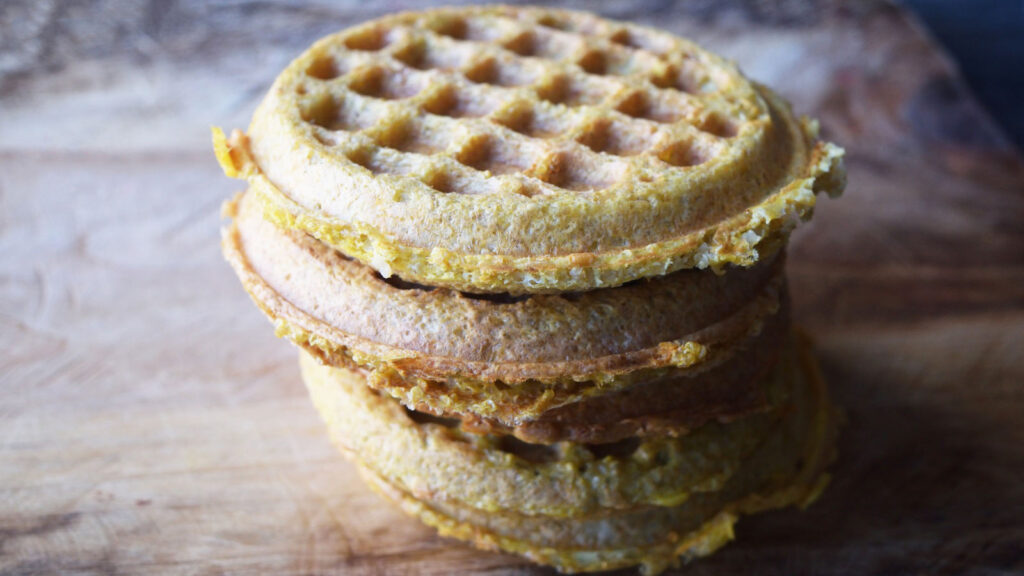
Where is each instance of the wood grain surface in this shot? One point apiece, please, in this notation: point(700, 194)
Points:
point(151, 423)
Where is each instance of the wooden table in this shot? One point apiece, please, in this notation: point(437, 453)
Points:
point(151, 423)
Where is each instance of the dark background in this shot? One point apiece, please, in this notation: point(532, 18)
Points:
point(986, 39)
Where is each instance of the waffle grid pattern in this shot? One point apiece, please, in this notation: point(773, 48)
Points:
point(479, 102)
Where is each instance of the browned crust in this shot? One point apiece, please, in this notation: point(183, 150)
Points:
point(538, 401)
point(660, 407)
point(439, 333)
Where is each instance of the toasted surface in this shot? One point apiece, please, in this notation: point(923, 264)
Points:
point(440, 332)
point(668, 405)
point(503, 363)
point(578, 508)
point(529, 150)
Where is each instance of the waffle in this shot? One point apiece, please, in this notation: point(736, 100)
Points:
point(527, 150)
point(579, 507)
point(648, 358)
point(534, 260)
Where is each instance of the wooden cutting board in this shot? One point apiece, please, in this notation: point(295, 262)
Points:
point(151, 423)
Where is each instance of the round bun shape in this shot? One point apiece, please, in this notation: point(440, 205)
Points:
point(529, 150)
point(658, 356)
point(580, 507)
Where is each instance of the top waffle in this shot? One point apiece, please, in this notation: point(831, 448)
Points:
point(507, 149)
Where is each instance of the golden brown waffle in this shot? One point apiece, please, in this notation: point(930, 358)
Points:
point(578, 507)
point(649, 358)
point(529, 150)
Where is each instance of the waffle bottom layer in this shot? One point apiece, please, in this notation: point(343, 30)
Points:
point(785, 467)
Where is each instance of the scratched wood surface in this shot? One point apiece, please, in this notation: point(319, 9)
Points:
point(151, 423)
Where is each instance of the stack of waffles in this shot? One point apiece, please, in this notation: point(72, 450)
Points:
point(534, 260)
